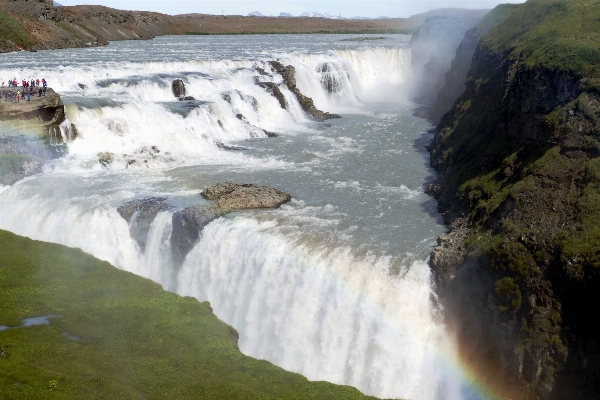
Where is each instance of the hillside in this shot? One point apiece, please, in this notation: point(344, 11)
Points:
point(40, 25)
point(519, 184)
point(108, 334)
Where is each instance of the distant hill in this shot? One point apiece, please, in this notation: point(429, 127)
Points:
point(37, 25)
point(284, 14)
point(256, 14)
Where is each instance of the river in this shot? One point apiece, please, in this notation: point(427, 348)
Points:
point(335, 284)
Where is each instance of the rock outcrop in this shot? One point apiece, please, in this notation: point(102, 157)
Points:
point(44, 111)
point(231, 196)
point(519, 182)
point(188, 223)
point(288, 74)
point(140, 214)
point(30, 134)
point(178, 88)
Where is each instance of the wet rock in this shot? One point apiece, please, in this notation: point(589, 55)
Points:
point(178, 88)
point(82, 86)
point(187, 225)
point(187, 98)
point(140, 214)
point(274, 90)
point(231, 196)
point(224, 146)
point(105, 159)
point(261, 71)
point(289, 77)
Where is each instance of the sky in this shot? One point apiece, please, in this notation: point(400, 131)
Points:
point(348, 8)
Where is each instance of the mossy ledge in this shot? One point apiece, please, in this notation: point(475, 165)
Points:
point(114, 335)
point(519, 184)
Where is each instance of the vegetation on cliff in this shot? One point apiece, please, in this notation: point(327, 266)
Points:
point(518, 158)
point(115, 335)
point(11, 33)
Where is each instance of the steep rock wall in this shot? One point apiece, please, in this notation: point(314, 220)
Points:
point(519, 184)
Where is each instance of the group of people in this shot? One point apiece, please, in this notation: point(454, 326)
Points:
point(27, 84)
point(27, 91)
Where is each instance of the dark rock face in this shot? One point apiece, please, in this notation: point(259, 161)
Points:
point(178, 88)
point(188, 223)
point(140, 214)
point(289, 78)
point(445, 77)
point(518, 273)
point(275, 91)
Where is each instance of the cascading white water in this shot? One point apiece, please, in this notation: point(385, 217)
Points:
point(302, 285)
point(320, 311)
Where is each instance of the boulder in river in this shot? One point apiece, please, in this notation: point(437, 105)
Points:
point(178, 88)
point(230, 196)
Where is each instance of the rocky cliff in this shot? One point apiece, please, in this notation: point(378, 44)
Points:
point(518, 157)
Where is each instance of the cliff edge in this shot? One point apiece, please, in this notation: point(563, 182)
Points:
point(518, 157)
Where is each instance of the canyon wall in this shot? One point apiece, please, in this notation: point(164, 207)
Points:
point(519, 185)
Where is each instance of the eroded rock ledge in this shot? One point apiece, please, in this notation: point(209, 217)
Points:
point(42, 111)
point(188, 223)
point(30, 134)
point(288, 73)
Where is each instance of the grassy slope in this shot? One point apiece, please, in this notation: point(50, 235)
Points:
point(137, 341)
point(11, 30)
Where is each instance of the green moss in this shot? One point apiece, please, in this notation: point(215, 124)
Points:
point(11, 30)
point(118, 336)
point(509, 294)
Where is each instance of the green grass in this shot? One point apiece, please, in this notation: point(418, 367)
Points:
point(136, 340)
point(11, 30)
point(557, 34)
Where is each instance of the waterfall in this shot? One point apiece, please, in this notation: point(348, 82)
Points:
point(322, 308)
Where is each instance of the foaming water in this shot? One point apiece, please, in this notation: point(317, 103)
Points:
point(321, 311)
point(335, 284)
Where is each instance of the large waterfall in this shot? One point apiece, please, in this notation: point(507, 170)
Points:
point(334, 285)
